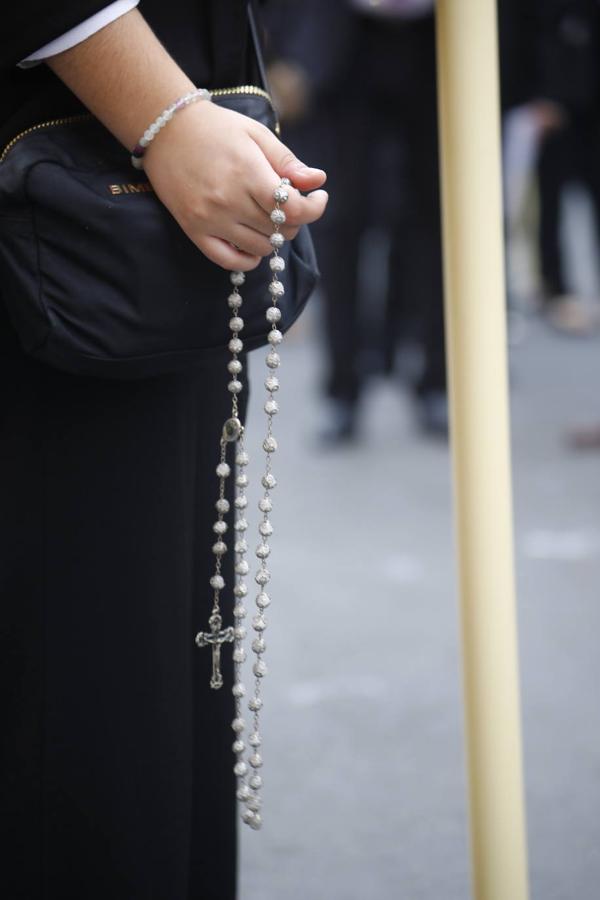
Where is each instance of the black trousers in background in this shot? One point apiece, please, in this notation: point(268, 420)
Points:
point(116, 766)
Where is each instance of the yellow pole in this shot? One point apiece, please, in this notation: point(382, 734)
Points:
point(476, 340)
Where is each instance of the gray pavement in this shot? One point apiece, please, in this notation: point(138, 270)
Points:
point(365, 794)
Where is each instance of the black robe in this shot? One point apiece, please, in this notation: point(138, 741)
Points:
point(115, 755)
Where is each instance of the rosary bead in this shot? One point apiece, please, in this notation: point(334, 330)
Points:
point(276, 288)
point(273, 313)
point(263, 551)
point(240, 590)
point(238, 725)
point(280, 194)
point(238, 746)
point(241, 502)
point(259, 623)
point(241, 546)
point(271, 407)
point(254, 803)
point(259, 645)
point(242, 567)
point(238, 690)
point(255, 822)
point(248, 817)
point(255, 782)
point(272, 384)
point(263, 600)
point(259, 668)
point(237, 278)
point(255, 739)
point(256, 761)
point(222, 505)
point(242, 458)
point(220, 548)
point(240, 768)
point(265, 528)
point(262, 577)
point(239, 611)
point(239, 655)
point(278, 217)
point(236, 345)
point(241, 480)
point(234, 367)
point(255, 704)
point(240, 525)
point(275, 336)
point(269, 481)
point(270, 444)
point(236, 323)
point(223, 470)
point(217, 582)
point(277, 264)
point(273, 360)
point(277, 240)
point(265, 504)
point(243, 792)
point(235, 386)
point(239, 632)
point(234, 300)
point(220, 527)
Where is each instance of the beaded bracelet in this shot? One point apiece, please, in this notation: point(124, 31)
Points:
point(148, 136)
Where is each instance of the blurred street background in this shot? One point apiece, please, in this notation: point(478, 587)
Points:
point(365, 790)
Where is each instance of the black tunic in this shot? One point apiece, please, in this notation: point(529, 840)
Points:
point(115, 766)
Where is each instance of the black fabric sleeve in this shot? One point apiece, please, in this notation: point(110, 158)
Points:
point(28, 25)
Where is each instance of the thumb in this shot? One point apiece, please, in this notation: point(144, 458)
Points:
point(286, 164)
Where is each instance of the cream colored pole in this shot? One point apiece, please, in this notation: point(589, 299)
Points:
point(476, 341)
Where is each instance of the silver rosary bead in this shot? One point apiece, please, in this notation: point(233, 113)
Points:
point(236, 323)
point(271, 407)
point(262, 551)
point(270, 444)
point(238, 746)
point(255, 739)
point(265, 528)
point(234, 367)
point(235, 386)
point(256, 761)
point(240, 589)
point(275, 336)
point(240, 525)
point(242, 567)
point(273, 360)
point(241, 546)
point(220, 527)
point(262, 577)
point(223, 470)
point(242, 458)
point(278, 217)
point(239, 611)
point(238, 725)
point(259, 668)
point(272, 384)
point(269, 481)
point(280, 194)
point(238, 690)
point(243, 793)
point(217, 582)
point(234, 300)
point(263, 600)
point(259, 645)
point(239, 632)
point(259, 623)
point(241, 480)
point(255, 704)
point(265, 504)
point(241, 502)
point(277, 264)
point(273, 313)
point(254, 803)
point(277, 240)
point(239, 655)
point(220, 548)
point(222, 505)
point(237, 278)
point(240, 768)
point(276, 289)
point(255, 782)
point(236, 345)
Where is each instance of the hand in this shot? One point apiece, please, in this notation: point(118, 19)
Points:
point(215, 170)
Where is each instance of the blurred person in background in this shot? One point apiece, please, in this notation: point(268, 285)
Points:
point(356, 81)
point(550, 78)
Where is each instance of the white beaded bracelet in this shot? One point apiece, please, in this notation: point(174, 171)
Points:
point(137, 154)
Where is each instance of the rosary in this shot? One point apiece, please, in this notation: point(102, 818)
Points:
point(248, 762)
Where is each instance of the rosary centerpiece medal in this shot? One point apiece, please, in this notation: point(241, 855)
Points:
point(247, 752)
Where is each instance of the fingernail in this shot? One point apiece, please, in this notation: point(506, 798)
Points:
point(300, 167)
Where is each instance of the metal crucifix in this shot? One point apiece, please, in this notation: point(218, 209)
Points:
point(215, 638)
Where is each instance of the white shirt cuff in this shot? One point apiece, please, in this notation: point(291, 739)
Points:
point(81, 32)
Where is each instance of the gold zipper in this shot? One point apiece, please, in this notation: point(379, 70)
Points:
point(245, 89)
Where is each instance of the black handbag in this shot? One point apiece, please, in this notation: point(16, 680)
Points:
point(97, 276)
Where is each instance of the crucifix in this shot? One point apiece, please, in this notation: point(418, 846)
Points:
point(214, 638)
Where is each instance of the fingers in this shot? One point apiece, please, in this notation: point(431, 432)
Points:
point(272, 161)
point(225, 255)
